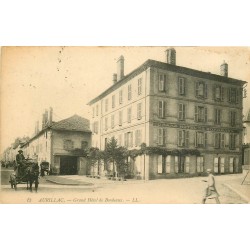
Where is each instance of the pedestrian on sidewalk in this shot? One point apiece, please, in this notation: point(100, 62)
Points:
point(210, 192)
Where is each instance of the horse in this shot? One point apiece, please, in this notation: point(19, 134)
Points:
point(32, 176)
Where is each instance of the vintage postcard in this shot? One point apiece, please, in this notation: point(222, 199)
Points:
point(125, 125)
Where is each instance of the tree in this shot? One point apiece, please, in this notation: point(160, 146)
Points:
point(116, 155)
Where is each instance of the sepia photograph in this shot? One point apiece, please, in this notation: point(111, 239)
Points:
point(121, 125)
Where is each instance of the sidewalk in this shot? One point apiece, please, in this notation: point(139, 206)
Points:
point(242, 190)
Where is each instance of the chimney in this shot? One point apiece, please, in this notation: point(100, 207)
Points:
point(120, 68)
point(171, 56)
point(50, 115)
point(46, 117)
point(224, 69)
point(114, 78)
point(37, 126)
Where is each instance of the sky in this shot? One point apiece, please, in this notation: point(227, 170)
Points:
point(67, 78)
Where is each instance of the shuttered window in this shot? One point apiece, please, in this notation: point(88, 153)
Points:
point(232, 118)
point(112, 121)
point(120, 117)
point(232, 141)
point(139, 111)
point(129, 92)
point(162, 82)
point(106, 105)
point(129, 114)
point(181, 86)
point(106, 123)
point(160, 136)
point(182, 112)
point(138, 137)
point(233, 95)
point(217, 118)
point(161, 109)
point(120, 96)
point(183, 138)
point(139, 86)
point(200, 114)
point(113, 101)
point(201, 90)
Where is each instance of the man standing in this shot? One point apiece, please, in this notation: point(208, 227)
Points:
point(19, 160)
point(210, 192)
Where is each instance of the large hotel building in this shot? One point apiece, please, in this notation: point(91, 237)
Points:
point(196, 116)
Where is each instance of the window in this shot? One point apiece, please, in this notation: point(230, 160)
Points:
point(113, 101)
point(120, 118)
point(217, 118)
point(183, 138)
point(106, 123)
point(93, 112)
point(95, 127)
point(162, 82)
point(129, 92)
point(182, 112)
point(233, 95)
point(162, 109)
point(201, 90)
point(106, 105)
point(232, 117)
point(160, 135)
point(128, 139)
point(97, 110)
point(218, 93)
point(138, 138)
point(139, 110)
point(139, 86)
point(120, 140)
point(200, 114)
point(112, 121)
point(84, 145)
point(68, 144)
point(120, 96)
point(232, 141)
point(219, 140)
point(200, 139)
point(129, 114)
point(200, 164)
point(181, 86)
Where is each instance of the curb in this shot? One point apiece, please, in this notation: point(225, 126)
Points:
point(71, 184)
point(244, 197)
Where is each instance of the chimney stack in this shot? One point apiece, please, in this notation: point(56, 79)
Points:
point(171, 56)
point(43, 121)
point(50, 115)
point(120, 68)
point(46, 117)
point(114, 78)
point(224, 69)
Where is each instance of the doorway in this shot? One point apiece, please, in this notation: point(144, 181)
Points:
point(68, 165)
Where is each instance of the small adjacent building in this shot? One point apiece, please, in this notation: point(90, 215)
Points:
point(62, 144)
point(246, 139)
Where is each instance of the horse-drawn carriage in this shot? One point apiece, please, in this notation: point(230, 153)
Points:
point(26, 172)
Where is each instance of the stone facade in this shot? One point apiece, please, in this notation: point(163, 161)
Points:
point(176, 108)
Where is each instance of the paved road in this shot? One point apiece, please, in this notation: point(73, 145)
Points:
point(173, 191)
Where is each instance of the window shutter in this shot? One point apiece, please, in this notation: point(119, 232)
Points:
point(205, 89)
point(222, 140)
point(164, 109)
point(195, 139)
point(165, 83)
point(196, 114)
point(179, 137)
point(184, 86)
point(164, 136)
point(219, 116)
point(197, 89)
point(187, 139)
point(180, 111)
point(205, 111)
point(216, 164)
point(237, 95)
point(159, 164)
point(184, 111)
point(230, 118)
point(205, 135)
point(229, 94)
point(160, 109)
point(214, 92)
point(222, 93)
point(155, 137)
point(126, 140)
